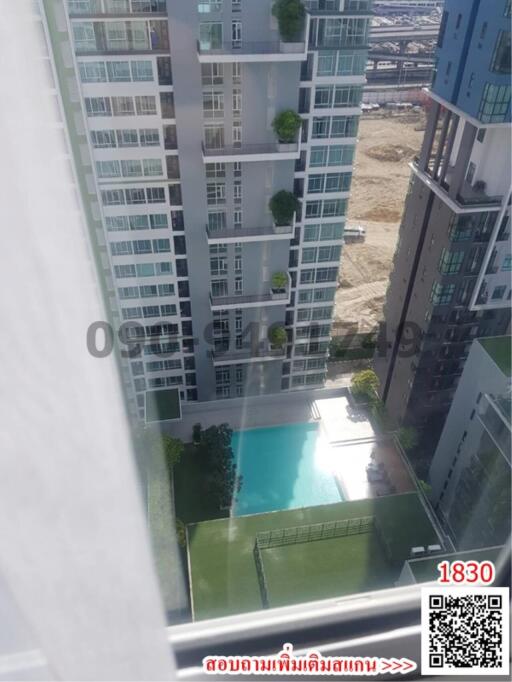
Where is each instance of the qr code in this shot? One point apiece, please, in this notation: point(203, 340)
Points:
point(465, 631)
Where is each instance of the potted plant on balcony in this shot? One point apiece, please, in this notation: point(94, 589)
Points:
point(278, 283)
point(283, 206)
point(277, 336)
point(286, 126)
point(290, 15)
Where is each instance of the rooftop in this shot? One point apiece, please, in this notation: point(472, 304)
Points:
point(425, 570)
point(499, 348)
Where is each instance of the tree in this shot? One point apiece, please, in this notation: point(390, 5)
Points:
point(408, 437)
point(173, 449)
point(283, 205)
point(279, 281)
point(290, 16)
point(158, 442)
point(277, 336)
point(221, 477)
point(365, 384)
point(286, 125)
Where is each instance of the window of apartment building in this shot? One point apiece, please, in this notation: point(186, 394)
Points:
point(237, 191)
point(335, 126)
point(213, 104)
point(123, 271)
point(212, 74)
point(98, 106)
point(216, 220)
point(149, 137)
point(502, 53)
point(236, 34)
point(123, 106)
point(173, 167)
point(237, 133)
point(498, 292)
point(142, 70)
point(495, 103)
point(92, 72)
point(108, 169)
point(236, 73)
point(237, 101)
point(210, 35)
point(215, 193)
point(84, 37)
point(330, 182)
point(450, 262)
point(164, 69)
point(442, 294)
point(131, 168)
point(214, 136)
point(103, 138)
point(208, 6)
point(239, 286)
point(135, 196)
point(219, 288)
point(215, 170)
point(335, 63)
point(112, 197)
point(118, 72)
point(152, 167)
point(166, 104)
point(218, 266)
point(127, 137)
point(156, 195)
point(335, 155)
point(507, 264)
point(237, 220)
point(175, 198)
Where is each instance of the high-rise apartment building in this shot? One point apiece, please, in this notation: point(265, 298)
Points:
point(451, 277)
point(177, 103)
point(470, 473)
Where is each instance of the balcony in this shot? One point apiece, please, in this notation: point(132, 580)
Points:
point(252, 234)
point(266, 151)
point(229, 357)
point(245, 51)
point(268, 297)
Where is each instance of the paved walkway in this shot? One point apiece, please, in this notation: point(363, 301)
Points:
point(251, 412)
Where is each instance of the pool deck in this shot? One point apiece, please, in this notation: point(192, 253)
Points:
point(351, 438)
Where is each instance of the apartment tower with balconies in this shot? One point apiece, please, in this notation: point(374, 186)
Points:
point(221, 235)
point(451, 277)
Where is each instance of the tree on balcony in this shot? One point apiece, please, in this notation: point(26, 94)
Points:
point(277, 336)
point(286, 126)
point(364, 385)
point(283, 205)
point(290, 15)
point(279, 282)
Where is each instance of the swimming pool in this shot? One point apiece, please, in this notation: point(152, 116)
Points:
point(283, 467)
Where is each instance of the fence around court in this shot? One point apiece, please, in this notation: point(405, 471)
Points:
point(313, 531)
point(261, 575)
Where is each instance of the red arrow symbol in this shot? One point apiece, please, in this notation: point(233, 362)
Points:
point(407, 665)
point(397, 665)
point(384, 664)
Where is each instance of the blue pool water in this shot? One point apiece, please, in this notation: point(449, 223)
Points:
point(283, 467)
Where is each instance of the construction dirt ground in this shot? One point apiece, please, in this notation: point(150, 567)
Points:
point(387, 142)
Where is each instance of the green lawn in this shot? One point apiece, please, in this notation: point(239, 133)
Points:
point(223, 576)
point(191, 498)
point(324, 568)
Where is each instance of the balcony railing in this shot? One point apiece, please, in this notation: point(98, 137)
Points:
point(272, 150)
point(267, 297)
point(250, 48)
point(251, 234)
point(247, 356)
